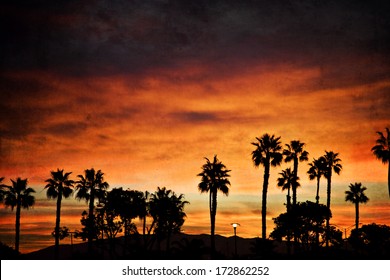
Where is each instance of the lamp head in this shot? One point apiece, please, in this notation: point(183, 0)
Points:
point(235, 225)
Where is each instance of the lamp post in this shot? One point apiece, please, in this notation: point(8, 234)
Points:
point(235, 225)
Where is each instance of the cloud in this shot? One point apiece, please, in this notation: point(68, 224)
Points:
point(65, 129)
point(194, 117)
point(97, 39)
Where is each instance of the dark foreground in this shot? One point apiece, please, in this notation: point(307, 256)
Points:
point(195, 247)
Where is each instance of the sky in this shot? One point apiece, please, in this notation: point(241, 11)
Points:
point(145, 90)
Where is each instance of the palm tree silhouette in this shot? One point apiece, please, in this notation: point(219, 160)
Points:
point(356, 195)
point(332, 163)
point(90, 187)
point(20, 196)
point(58, 186)
point(267, 153)
point(214, 178)
point(285, 181)
point(316, 171)
point(167, 210)
point(295, 153)
point(382, 152)
point(144, 215)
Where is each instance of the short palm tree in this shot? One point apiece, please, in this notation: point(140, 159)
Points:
point(214, 178)
point(167, 211)
point(316, 171)
point(382, 152)
point(332, 164)
point(356, 195)
point(295, 152)
point(91, 187)
point(20, 196)
point(285, 181)
point(58, 186)
point(144, 214)
point(267, 153)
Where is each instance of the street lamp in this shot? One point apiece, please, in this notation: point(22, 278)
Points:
point(235, 225)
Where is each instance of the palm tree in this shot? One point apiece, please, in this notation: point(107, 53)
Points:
point(267, 153)
point(295, 153)
point(20, 196)
point(90, 187)
point(58, 186)
point(167, 211)
point(382, 152)
point(332, 164)
point(285, 181)
point(316, 171)
point(144, 214)
point(214, 178)
point(356, 195)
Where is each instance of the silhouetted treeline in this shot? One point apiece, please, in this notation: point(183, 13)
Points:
point(304, 228)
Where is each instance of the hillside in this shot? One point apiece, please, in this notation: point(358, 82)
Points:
point(182, 246)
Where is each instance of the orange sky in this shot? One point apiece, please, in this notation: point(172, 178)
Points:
point(146, 97)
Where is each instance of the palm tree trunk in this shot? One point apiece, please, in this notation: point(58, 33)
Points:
point(294, 184)
point(318, 202)
point(144, 232)
point(264, 201)
point(328, 191)
point(357, 215)
point(57, 229)
point(288, 201)
point(213, 197)
point(318, 191)
point(17, 226)
point(294, 188)
point(388, 177)
point(288, 230)
point(90, 221)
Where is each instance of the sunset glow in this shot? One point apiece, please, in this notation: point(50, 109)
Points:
point(146, 92)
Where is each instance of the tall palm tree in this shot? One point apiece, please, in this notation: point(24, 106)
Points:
point(267, 153)
point(295, 153)
point(382, 152)
point(214, 178)
point(20, 196)
point(58, 186)
point(332, 164)
point(91, 187)
point(316, 171)
point(356, 195)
